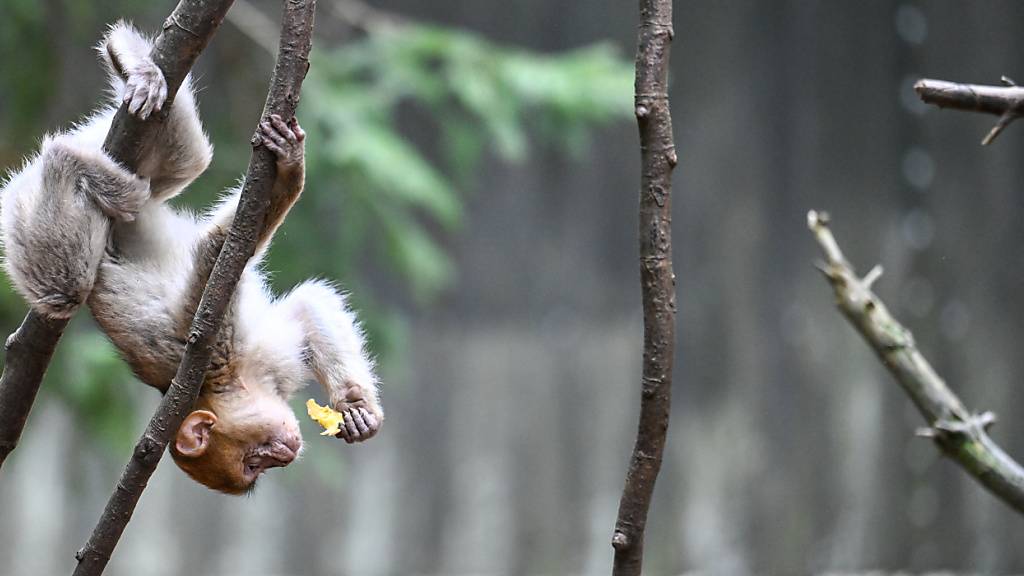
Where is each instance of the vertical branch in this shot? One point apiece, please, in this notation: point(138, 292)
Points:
point(185, 33)
point(282, 99)
point(658, 158)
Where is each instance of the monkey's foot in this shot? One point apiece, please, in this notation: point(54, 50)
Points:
point(145, 90)
point(363, 416)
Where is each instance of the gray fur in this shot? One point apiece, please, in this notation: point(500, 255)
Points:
point(79, 228)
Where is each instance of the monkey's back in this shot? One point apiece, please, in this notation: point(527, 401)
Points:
point(142, 284)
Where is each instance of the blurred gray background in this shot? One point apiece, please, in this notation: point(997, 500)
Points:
point(511, 394)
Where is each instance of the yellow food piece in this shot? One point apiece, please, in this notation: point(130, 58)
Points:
point(327, 417)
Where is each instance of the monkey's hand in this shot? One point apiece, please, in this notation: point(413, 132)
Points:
point(285, 140)
point(363, 415)
point(145, 88)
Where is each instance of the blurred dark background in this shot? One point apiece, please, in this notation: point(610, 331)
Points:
point(472, 180)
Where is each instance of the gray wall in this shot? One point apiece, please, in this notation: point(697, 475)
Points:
point(511, 419)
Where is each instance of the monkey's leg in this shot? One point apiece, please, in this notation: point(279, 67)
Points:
point(335, 353)
point(56, 219)
point(182, 151)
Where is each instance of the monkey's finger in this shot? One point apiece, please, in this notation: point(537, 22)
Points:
point(357, 416)
point(271, 133)
point(161, 96)
point(350, 425)
point(138, 99)
point(300, 134)
point(273, 147)
point(369, 418)
point(291, 136)
point(130, 86)
point(344, 434)
point(148, 106)
point(281, 127)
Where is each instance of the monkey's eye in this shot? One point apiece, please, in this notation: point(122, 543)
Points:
point(252, 469)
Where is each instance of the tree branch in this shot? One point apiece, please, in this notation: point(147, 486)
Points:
point(960, 434)
point(29, 350)
point(185, 33)
point(282, 99)
point(658, 158)
point(1006, 101)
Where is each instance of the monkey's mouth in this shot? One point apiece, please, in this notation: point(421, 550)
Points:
point(274, 454)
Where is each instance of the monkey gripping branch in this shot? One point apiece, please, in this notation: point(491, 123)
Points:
point(657, 281)
point(185, 34)
point(959, 433)
point(239, 246)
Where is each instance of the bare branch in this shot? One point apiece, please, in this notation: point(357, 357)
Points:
point(185, 33)
point(960, 434)
point(1006, 101)
point(29, 350)
point(282, 99)
point(657, 281)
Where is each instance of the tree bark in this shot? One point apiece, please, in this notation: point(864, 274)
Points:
point(185, 33)
point(658, 158)
point(1006, 101)
point(960, 434)
point(282, 99)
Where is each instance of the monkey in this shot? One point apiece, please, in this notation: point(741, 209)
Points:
point(78, 228)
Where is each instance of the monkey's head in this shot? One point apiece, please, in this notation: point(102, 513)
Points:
point(231, 438)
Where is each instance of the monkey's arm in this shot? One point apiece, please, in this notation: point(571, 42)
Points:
point(285, 140)
point(335, 353)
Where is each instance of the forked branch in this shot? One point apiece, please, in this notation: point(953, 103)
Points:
point(282, 99)
point(185, 33)
point(1006, 101)
point(959, 433)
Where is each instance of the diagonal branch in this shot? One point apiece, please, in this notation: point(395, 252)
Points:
point(1006, 101)
point(185, 33)
point(959, 433)
point(282, 99)
point(657, 281)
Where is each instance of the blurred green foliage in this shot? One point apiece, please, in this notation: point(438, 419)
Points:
point(477, 96)
point(400, 123)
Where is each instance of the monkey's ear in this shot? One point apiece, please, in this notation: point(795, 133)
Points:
point(194, 434)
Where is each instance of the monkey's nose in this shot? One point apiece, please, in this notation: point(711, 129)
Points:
point(294, 445)
point(284, 450)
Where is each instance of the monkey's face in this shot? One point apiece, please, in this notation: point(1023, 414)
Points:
point(232, 438)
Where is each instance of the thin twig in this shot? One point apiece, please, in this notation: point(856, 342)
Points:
point(1006, 101)
point(186, 32)
point(960, 434)
point(657, 281)
point(282, 99)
